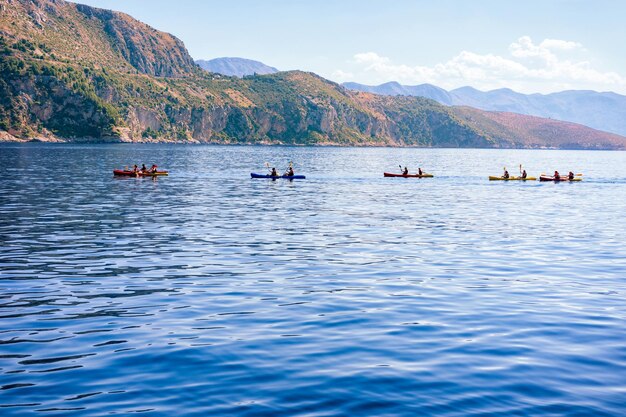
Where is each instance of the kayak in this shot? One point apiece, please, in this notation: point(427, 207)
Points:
point(512, 179)
point(389, 174)
point(274, 177)
point(125, 173)
point(562, 179)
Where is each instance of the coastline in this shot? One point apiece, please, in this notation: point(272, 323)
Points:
point(6, 137)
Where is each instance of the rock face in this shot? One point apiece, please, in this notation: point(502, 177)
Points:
point(603, 111)
point(80, 73)
point(235, 67)
point(146, 49)
point(74, 33)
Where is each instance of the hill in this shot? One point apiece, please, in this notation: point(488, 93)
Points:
point(394, 88)
point(603, 111)
point(522, 131)
point(235, 67)
point(75, 72)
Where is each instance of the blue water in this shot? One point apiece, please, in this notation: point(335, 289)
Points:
point(346, 294)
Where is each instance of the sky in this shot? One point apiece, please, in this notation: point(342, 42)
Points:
point(529, 46)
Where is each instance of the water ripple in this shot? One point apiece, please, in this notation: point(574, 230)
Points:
point(207, 293)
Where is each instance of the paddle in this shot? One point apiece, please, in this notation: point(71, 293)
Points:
point(521, 172)
point(267, 165)
point(287, 170)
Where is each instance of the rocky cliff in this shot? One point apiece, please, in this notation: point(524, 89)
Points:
point(81, 73)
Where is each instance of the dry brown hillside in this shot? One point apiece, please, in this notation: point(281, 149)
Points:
point(537, 132)
point(76, 72)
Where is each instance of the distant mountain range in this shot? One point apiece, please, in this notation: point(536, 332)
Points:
point(237, 67)
point(603, 111)
point(135, 83)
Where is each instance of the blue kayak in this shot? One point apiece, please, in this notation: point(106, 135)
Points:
point(287, 177)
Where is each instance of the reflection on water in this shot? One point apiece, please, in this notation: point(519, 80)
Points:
point(208, 293)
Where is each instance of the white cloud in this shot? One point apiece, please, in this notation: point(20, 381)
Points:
point(547, 50)
point(370, 58)
point(557, 44)
point(550, 65)
point(342, 76)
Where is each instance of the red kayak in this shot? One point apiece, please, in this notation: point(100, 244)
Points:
point(424, 175)
point(127, 173)
point(562, 179)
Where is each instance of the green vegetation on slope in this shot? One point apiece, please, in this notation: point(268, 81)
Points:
point(76, 72)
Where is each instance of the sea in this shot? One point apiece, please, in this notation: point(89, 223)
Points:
point(208, 293)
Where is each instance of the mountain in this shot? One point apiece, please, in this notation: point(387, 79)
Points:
point(516, 130)
point(603, 111)
point(394, 88)
point(236, 67)
point(73, 72)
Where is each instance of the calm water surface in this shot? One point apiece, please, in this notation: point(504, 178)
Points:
point(346, 294)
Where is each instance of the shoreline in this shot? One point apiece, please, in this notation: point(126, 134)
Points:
point(6, 138)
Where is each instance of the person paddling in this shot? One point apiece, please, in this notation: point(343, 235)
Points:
point(570, 176)
point(143, 168)
point(135, 169)
point(405, 171)
point(419, 171)
point(557, 176)
point(290, 172)
point(506, 174)
point(524, 175)
point(153, 169)
point(274, 173)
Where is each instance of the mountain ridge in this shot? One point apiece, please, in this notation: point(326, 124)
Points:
point(73, 72)
point(600, 110)
point(235, 67)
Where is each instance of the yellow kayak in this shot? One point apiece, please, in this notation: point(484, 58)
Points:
point(512, 179)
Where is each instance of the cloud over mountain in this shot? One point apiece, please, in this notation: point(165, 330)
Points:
point(548, 66)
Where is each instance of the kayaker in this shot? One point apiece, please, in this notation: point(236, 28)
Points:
point(274, 173)
point(405, 171)
point(135, 169)
point(143, 168)
point(506, 174)
point(419, 171)
point(570, 176)
point(557, 176)
point(290, 172)
point(524, 175)
point(153, 169)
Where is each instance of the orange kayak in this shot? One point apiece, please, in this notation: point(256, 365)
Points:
point(125, 173)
